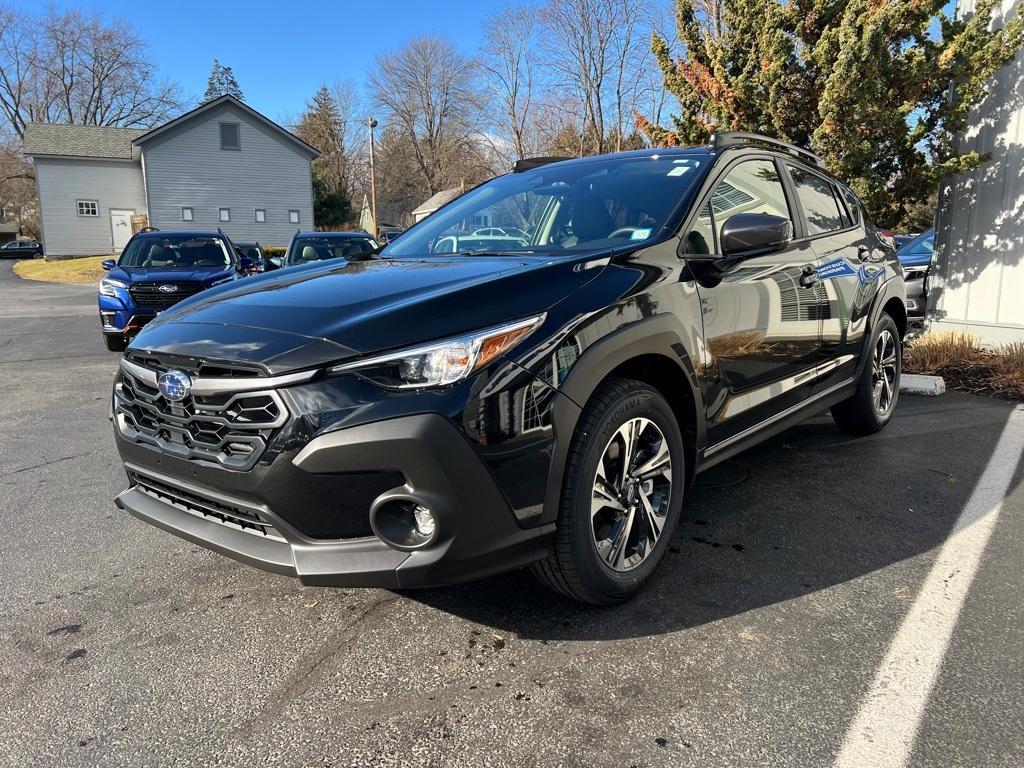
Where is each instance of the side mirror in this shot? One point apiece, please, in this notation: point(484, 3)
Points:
point(269, 265)
point(746, 235)
point(245, 264)
point(108, 264)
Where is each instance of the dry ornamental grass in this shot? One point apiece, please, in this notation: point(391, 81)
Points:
point(959, 358)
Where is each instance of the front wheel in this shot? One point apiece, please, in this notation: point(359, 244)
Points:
point(115, 343)
point(873, 403)
point(621, 498)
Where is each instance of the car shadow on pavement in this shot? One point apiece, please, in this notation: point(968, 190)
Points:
point(809, 509)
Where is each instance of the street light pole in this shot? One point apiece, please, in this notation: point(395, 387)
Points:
point(373, 180)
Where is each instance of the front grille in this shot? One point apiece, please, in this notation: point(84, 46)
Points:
point(161, 295)
point(231, 429)
point(218, 511)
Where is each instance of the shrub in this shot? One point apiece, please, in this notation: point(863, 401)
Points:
point(933, 351)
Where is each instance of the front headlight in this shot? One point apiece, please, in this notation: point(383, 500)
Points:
point(107, 286)
point(443, 362)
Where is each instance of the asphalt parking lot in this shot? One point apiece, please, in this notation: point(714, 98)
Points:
point(771, 634)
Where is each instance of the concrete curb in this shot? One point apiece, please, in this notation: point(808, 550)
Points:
point(916, 384)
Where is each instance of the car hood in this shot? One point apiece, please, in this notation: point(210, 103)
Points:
point(167, 275)
point(320, 313)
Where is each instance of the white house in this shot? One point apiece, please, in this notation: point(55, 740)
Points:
point(977, 276)
point(221, 165)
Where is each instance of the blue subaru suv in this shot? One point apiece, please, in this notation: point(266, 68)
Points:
point(156, 270)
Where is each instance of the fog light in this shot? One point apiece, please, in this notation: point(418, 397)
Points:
point(425, 522)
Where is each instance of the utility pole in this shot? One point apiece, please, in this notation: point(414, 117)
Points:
point(373, 180)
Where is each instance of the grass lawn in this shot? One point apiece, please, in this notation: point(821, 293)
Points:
point(84, 270)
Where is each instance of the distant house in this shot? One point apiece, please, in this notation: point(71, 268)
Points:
point(443, 197)
point(8, 231)
point(977, 277)
point(221, 165)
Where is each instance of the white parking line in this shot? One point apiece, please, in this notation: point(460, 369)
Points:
point(883, 732)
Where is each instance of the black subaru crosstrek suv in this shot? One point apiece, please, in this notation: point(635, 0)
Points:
point(415, 418)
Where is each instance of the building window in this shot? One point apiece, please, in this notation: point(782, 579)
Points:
point(88, 208)
point(229, 136)
point(261, 215)
point(225, 214)
point(293, 217)
point(186, 214)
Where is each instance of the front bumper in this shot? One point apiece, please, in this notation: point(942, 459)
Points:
point(120, 315)
point(477, 531)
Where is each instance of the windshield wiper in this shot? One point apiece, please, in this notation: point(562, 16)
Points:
point(488, 252)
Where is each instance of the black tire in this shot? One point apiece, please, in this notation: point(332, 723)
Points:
point(114, 342)
point(573, 566)
point(861, 414)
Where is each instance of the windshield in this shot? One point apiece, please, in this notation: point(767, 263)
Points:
point(312, 248)
point(920, 246)
point(559, 209)
point(175, 252)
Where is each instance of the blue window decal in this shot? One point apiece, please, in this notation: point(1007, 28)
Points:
point(835, 268)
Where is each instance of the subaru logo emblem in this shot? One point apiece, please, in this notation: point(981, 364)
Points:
point(174, 385)
point(167, 288)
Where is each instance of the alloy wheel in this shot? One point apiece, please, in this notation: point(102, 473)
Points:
point(883, 373)
point(631, 493)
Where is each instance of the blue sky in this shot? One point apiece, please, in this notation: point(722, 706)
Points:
point(282, 51)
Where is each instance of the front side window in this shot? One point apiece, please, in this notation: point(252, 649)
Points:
point(821, 209)
point(225, 214)
point(559, 209)
point(752, 186)
point(229, 136)
point(700, 239)
point(88, 208)
point(171, 252)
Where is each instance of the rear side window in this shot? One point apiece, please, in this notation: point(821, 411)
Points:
point(852, 203)
point(821, 208)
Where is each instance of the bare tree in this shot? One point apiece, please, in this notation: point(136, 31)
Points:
point(428, 91)
point(578, 40)
point(74, 67)
point(507, 56)
point(17, 188)
point(600, 48)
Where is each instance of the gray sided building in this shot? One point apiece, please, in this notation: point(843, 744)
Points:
point(977, 276)
point(222, 165)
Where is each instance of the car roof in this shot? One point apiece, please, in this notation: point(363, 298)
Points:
point(339, 234)
point(181, 233)
point(701, 150)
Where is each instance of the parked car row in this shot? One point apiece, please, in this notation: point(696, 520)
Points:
point(158, 269)
point(21, 249)
point(915, 257)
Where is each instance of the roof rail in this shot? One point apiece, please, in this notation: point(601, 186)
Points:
point(529, 163)
point(724, 139)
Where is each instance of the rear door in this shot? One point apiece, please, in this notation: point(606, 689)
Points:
point(848, 272)
point(762, 323)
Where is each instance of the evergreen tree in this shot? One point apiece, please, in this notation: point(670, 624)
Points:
point(221, 82)
point(864, 83)
point(321, 127)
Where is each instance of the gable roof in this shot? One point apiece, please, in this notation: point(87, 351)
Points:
point(80, 140)
point(227, 99)
point(443, 197)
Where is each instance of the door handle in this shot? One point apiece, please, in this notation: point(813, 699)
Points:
point(863, 253)
point(809, 276)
